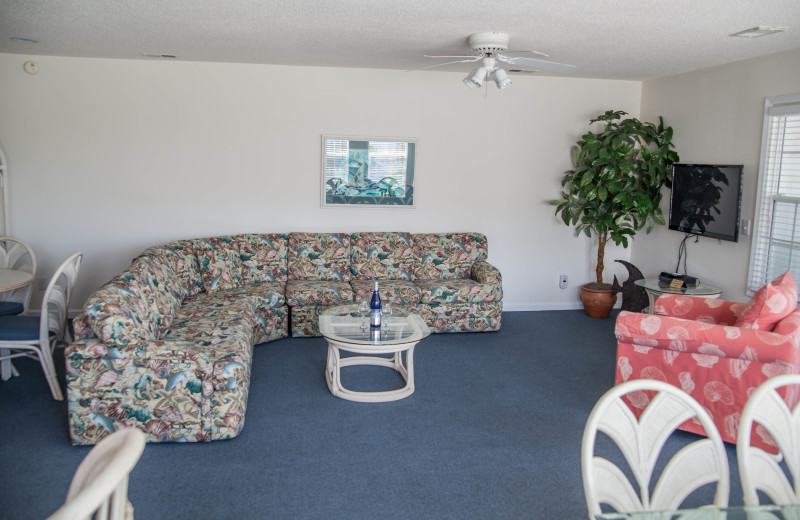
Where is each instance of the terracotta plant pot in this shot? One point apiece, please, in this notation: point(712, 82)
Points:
point(597, 299)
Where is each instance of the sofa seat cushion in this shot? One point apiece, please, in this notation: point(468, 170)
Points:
point(213, 324)
point(444, 256)
point(396, 292)
point(457, 291)
point(317, 292)
point(220, 263)
point(319, 256)
point(264, 295)
point(381, 256)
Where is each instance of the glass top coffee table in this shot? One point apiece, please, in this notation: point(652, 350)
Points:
point(344, 330)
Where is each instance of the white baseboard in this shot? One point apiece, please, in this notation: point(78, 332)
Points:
point(519, 307)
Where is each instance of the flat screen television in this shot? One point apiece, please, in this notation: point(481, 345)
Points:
point(706, 200)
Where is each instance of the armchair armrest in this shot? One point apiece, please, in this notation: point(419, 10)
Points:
point(697, 308)
point(701, 338)
point(484, 272)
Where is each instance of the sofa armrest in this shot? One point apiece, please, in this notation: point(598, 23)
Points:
point(707, 310)
point(484, 272)
point(700, 338)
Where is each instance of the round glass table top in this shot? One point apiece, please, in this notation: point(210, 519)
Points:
point(343, 323)
point(652, 284)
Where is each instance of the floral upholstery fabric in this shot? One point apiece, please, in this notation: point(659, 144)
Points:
point(271, 313)
point(160, 287)
point(316, 292)
point(770, 304)
point(319, 256)
point(457, 291)
point(381, 256)
point(396, 292)
point(119, 314)
point(462, 317)
point(167, 345)
point(263, 257)
point(305, 321)
point(444, 256)
point(182, 257)
point(171, 390)
point(703, 353)
point(220, 263)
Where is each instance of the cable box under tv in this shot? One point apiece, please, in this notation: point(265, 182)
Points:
point(666, 279)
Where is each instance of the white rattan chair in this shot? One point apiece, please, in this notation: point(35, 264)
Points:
point(641, 441)
point(36, 337)
point(16, 254)
point(759, 470)
point(99, 488)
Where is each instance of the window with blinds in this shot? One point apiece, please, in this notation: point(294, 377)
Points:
point(776, 241)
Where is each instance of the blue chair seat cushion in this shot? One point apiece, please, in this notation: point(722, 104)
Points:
point(10, 308)
point(19, 328)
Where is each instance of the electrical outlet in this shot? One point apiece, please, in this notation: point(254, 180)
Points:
point(562, 281)
point(41, 283)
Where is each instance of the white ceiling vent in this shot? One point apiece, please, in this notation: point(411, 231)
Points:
point(756, 32)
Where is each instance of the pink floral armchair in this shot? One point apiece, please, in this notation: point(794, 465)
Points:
point(693, 343)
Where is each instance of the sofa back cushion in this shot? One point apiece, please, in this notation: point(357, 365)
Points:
point(182, 257)
point(387, 256)
point(220, 263)
point(319, 256)
point(263, 257)
point(160, 286)
point(120, 315)
point(443, 256)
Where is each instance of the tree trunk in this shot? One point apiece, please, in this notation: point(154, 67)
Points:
point(601, 253)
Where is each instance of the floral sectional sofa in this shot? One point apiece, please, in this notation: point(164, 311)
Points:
point(166, 346)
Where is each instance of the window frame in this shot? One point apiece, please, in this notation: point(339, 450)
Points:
point(774, 106)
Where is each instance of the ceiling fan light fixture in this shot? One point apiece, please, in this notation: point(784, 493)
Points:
point(475, 78)
point(501, 79)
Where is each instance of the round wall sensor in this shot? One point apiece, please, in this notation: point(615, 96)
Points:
point(31, 67)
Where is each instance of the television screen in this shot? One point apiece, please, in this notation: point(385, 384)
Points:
point(706, 200)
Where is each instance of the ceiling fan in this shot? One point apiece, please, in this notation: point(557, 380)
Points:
point(490, 45)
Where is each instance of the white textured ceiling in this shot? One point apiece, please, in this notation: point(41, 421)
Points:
point(619, 39)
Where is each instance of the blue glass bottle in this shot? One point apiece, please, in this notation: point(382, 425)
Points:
point(375, 309)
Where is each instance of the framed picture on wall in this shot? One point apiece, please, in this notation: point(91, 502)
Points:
point(368, 171)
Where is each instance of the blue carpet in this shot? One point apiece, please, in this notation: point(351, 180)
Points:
point(493, 430)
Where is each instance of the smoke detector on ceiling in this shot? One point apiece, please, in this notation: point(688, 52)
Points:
point(756, 32)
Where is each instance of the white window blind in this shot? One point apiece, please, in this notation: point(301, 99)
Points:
point(776, 241)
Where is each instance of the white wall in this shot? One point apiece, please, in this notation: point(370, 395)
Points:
point(717, 115)
point(112, 156)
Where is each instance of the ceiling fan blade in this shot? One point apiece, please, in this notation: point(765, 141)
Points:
point(531, 52)
point(549, 66)
point(456, 56)
point(471, 60)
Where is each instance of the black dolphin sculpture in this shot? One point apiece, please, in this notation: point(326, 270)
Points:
point(634, 298)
